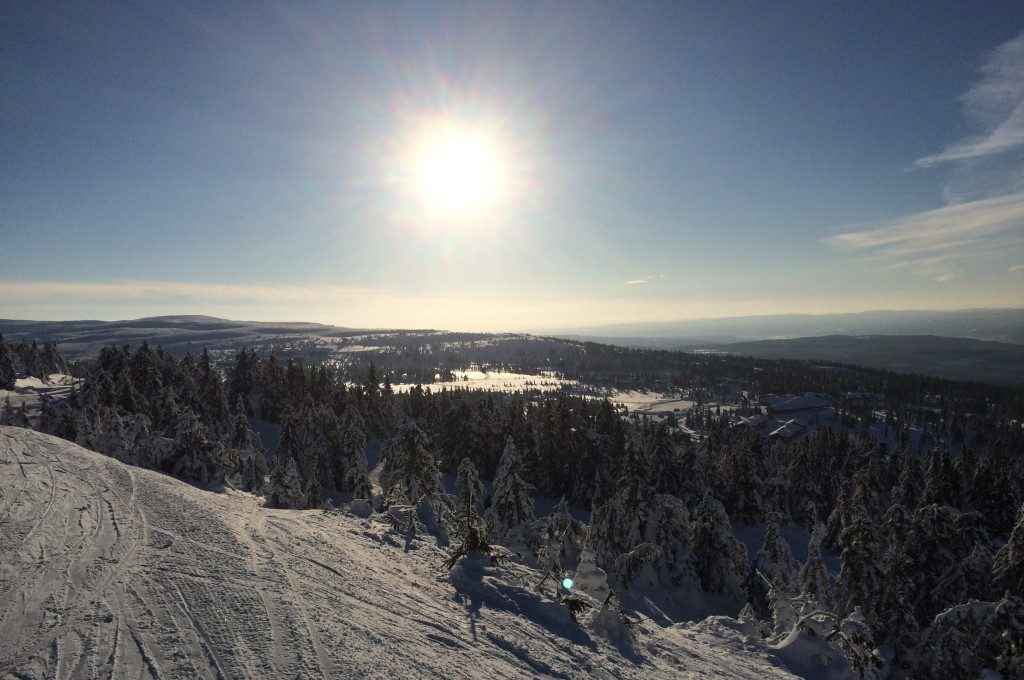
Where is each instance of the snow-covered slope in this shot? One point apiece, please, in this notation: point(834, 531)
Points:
point(109, 570)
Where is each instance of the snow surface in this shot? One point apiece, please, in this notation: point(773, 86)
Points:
point(500, 381)
point(109, 570)
point(29, 390)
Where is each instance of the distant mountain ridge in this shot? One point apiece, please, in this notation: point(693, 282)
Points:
point(177, 334)
point(957, 358)
point(996, 325)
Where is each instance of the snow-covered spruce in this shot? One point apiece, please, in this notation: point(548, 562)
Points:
point(510, 517)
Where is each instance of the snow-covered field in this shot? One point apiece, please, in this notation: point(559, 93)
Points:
point(113, 571)
point(495, 380)
point(650, 402)
point(29, 390)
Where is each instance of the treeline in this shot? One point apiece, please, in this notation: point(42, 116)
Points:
point(28, 359)
point(426, 358)
point(931, 545)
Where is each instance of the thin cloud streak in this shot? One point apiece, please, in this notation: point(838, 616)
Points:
point(954, 225)
point(645, 279)
point(923, 240)
point(996, 103)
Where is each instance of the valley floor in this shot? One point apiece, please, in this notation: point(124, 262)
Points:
point(112, 571)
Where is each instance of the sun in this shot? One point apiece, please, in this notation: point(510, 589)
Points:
point(458, 171)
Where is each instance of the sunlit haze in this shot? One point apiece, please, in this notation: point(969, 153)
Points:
point(509, 166)
point(458, 172)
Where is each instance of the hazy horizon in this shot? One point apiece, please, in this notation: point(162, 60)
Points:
point(565, 329)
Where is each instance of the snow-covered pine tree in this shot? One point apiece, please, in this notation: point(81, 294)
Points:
point(455, 433)
point(892, 609)
point(8, 365)
point(813, 579)
point(1008, 566)
point(166, 413)
point(83, 420)
point(910, 484)
point(21, 417)
point(146, 372)
point(193, 455)
point(471, 491)
point(130, 400)
point(969, 639)
point(242, 379)
point(941, 481)
point(8, 416)
point(609, 622)
point(599, 451)
point(469, 529)
point(775, 559)
point(970, 579)
point(510, 517)
point(672, 531)
point(750, 617)
point(666, 471)
point(314, 500)
point(140, 441)
point(31, 359)
point(217, 412)
point(49, 420)
point(861, 576)
point(620, 523)
point(941, 540)
point(242, 437)
point(805, 491)
point(562, 537)
point(853, 637)
point(636, 528)
point(784, 612)
point(284, 489)
point(745, 488)
point(720, 558)
point(347, 456)
point(482, 437)
point(589, 577)
point(52, 360)
point(111, 439)
point(410, 473)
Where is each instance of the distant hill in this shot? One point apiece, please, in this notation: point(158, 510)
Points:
point(996, 325)
point(958, 358)
point(177, 334)
point(928, 354)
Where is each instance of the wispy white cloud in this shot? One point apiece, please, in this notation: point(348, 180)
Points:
point(929, 242)
point(954, 225)
point(996, 104)
point(1016, 268)
point(645, 279)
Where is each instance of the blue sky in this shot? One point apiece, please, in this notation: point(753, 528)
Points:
point(664, 161)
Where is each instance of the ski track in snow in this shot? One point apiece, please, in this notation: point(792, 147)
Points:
point(112, 571)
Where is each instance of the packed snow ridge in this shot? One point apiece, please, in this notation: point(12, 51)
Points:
point(115, 571)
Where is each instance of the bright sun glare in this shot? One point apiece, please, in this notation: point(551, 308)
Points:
point(458, 172)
